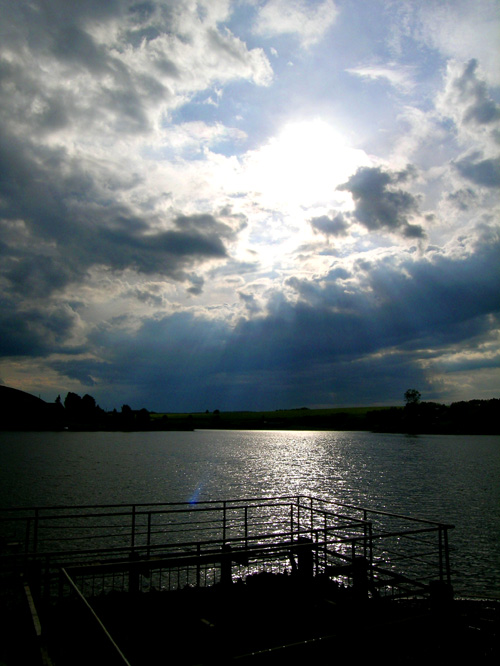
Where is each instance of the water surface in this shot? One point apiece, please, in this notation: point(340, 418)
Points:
point(452, 479)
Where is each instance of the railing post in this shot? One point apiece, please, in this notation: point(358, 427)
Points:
point(365, 518)
point(305, 563)
point(246, 526)
point(226, 565)
point(133, 527)
point(325, 527)
point(224, 521)
point(447, 556)
point(370, 542)
point(149, 534)
point(316, 551)
point(291, 522)
point(440, 532)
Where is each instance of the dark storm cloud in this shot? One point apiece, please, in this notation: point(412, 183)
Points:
point(381, 204)
point(74, 45)
point(174, 361)
point(80, 84)
point(63, 209)
point(91, 82)
point(410, 307)
point(194, 363)
point(481, 172)
point(357, 343)
point(35, 331)
point(84, 372)
point(36, 275)
point(163, 252)
point(330, 226)
point(71, 224)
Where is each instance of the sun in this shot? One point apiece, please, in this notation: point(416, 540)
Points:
point(302, 165)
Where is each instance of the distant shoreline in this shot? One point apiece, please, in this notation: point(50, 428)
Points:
point(24, 412)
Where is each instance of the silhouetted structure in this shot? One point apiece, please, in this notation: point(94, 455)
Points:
point(208, 582)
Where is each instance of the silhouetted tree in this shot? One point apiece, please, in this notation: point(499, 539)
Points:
point(412, 397)
point(88, 403)
point(127, 416)
point(142, 418)
point(82, 412)
point(58, 406)
point(72, 403)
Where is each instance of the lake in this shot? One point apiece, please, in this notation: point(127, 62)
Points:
point(448, 478)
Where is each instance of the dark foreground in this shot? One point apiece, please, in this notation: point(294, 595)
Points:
point(270, 619)
point(263, 580)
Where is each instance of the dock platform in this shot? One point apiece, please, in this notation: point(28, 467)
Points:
point(248, 580)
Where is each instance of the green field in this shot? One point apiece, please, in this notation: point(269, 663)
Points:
point(334, 418)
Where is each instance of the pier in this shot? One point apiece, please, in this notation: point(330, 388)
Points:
point(219, 580)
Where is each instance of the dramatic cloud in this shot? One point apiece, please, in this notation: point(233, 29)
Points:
point(211, 205)
point(414, 311)
point(379, 203)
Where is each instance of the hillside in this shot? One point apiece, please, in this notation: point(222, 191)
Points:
point(22, 411)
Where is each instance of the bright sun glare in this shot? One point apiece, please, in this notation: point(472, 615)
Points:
point(303, 165)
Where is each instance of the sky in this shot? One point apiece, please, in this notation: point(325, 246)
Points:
point(250, 204)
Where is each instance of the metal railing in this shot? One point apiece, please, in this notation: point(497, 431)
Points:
point(161, 546)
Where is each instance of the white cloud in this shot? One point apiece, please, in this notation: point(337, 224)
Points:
point(462, 30)
point(467, 101)
point(198, 134)
point(398, 76)
point(120, 73)
point(308, 22)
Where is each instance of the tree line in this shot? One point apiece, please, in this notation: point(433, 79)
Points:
point(22, 411)
point(472, 417)
point(84, 412)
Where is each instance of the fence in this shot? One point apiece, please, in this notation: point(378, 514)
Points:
point(141, 547)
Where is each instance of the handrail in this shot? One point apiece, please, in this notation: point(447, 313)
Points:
point(229, 504)
point(143, 504)
point(384, 513)
point(147, 530)
point(187, 544)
